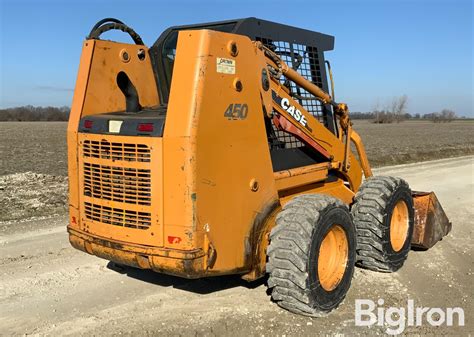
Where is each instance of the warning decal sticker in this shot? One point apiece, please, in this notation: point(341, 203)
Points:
point(225, 66)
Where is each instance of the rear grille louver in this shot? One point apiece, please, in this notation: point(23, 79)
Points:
point(117, 216)
point(116, 191)
point(116, 151)
point(128, 185)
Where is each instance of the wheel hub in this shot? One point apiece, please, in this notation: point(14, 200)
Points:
point(399, 225)
point(333, 256)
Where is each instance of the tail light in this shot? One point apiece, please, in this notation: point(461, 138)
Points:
point(145, 127)
point(88, 124)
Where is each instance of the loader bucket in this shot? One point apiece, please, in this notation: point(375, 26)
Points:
point(431, 223)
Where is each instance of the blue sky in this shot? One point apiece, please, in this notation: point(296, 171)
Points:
point(384, 48)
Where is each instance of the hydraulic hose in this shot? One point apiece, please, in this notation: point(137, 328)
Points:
point(107, 24)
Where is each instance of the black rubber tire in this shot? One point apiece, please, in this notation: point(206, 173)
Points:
point(372, 212)
point(294, 249)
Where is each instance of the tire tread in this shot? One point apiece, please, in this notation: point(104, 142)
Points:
point(368, 212)
point(288, 252)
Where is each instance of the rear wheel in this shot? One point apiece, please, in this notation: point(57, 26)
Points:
point(383, 215)
point(311, 255)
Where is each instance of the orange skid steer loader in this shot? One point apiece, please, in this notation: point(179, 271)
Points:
point(219, 151)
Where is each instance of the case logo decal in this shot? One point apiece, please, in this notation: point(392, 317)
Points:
point(291, 109)
point(295, 113)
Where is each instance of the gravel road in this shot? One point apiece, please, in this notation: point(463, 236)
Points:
point(47, 287)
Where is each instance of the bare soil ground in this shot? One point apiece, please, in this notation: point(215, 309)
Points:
point(48, 288)
point(24, 195)
point(40, 147)
point(414, 141)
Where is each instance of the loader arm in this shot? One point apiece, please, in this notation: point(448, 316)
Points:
point(293, 118)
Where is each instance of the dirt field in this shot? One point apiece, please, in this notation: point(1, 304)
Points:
point(413, 141)
point(48, 288)
point(40, 147)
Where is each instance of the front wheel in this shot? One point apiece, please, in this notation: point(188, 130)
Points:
point(311, 255)
point(383, 215)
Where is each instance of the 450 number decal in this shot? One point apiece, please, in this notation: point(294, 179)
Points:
point(236, 111)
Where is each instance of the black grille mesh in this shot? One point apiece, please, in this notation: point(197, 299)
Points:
point(117, 216)
point(305, 60)
point(116, 151)
point(122, 184)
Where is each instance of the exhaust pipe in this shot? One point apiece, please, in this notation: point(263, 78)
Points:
point(129, 91)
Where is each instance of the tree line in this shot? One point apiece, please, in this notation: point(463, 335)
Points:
point(396, 112)
point(35, 113)
point(445, 115)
